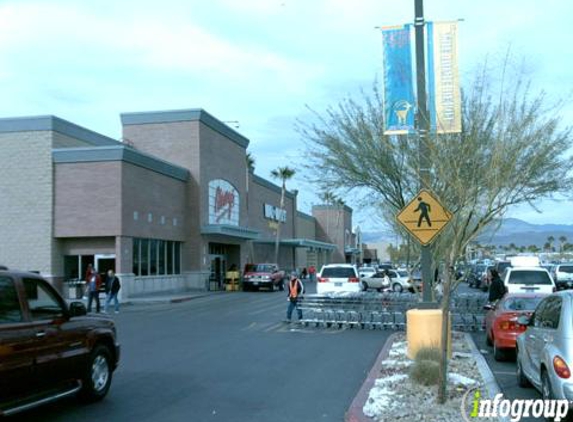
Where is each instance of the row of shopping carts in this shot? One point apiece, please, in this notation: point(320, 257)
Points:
point(386, 311)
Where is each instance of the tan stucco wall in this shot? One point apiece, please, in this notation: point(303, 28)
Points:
point(26, 195)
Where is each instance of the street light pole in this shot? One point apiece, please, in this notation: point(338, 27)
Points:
point(422, 127)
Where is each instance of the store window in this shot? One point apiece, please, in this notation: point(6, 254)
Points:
point(136, 257)
point(153, 257)
point(156, 257)
point(161, 257)
point(144, 257)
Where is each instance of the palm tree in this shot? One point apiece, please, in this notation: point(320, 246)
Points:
point(329, 198)
point(547, 246)
point(250, 161)
point(284, 174)
point(550, 240)
point(562, 241)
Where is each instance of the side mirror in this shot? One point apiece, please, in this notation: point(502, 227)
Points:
point(488, 307)
point(523, 320)
point(78, 309)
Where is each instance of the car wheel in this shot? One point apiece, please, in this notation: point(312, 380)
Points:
point(364, 286)
point(246, 287)
point(98, 374)
point(488, 339)
point(397, 287)
point(546, 391)
point(498, 354)
point(522, 380)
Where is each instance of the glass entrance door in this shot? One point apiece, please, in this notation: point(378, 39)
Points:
point(217, 268)
point(103, 263)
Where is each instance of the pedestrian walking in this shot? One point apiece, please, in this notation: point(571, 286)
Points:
point(304, 273)
point(496, 289)
point(295, 291)
point(93, 284)
point(112, 287)
point(312, 273)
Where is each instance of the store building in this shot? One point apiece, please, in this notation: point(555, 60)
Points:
point(173, 206)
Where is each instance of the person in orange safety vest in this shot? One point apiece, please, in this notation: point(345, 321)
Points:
point(295, 291)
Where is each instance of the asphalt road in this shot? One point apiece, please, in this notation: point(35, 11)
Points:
point(227, 357)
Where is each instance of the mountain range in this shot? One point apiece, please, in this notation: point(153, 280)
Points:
point(511, 230)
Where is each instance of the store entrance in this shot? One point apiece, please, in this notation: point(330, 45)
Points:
point(217, 268)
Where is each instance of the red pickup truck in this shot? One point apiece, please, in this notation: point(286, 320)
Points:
point(263, 275)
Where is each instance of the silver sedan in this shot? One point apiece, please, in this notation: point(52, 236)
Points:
point(545, 349)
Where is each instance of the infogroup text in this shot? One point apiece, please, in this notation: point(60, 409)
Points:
point(514, 409)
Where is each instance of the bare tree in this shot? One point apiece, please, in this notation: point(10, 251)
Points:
point(512, 150)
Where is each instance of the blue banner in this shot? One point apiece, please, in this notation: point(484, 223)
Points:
point(399, 100)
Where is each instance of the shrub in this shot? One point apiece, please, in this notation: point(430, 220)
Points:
point(426, 367)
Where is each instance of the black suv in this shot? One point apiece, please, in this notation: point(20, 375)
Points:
point(49, 349)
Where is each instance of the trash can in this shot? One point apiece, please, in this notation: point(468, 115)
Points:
point(75, 289)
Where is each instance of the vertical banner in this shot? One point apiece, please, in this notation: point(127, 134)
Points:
point(443, 79)
point(399, 98)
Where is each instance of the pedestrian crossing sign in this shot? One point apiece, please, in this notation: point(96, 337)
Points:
point(424, 217)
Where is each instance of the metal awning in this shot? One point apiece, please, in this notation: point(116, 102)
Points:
point(301, 243)
point(232, 231)
point(351, 251)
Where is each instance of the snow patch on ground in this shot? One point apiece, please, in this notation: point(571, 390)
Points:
point(381, 396)
point(461, 380)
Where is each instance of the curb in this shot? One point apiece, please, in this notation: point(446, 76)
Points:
point(168, 299)
point(354, 412)
point(490, 383)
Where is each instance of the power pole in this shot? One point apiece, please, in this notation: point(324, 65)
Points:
point(422, 127)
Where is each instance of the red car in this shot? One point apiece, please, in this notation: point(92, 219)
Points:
point(501, 325)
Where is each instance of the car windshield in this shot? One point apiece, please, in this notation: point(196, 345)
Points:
point(566, 269)
point(338, 272)
point(521, 303)
point(480, 268)
point(529, 278)
point(259, 268)
point(502, 266)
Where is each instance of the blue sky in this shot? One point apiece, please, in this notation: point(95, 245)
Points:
point(258, 62)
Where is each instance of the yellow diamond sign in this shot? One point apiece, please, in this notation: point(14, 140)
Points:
point(424, 217)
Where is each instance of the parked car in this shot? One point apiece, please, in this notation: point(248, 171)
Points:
point(501, 326)
point(48, 349)
point(545, 349)
point(528, 280)
point(385, 266)
point(367, 272)
point(376, 281)
point(474, 277)
point(338, 278)
point(501, 266)
point(401, 280)
point(486, 278)
point(563, 276)
point(263, 275)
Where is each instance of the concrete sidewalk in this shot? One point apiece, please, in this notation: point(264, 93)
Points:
point(158, 298)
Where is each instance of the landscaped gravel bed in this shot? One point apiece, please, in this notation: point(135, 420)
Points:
point(394, 397)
